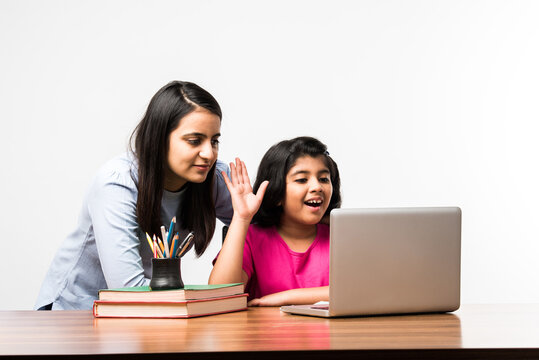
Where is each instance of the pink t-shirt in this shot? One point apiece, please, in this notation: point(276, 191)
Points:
point(272, 267)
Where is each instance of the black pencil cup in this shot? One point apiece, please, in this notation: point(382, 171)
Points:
point(166, 274)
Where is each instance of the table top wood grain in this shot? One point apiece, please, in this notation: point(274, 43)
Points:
point(474, 331)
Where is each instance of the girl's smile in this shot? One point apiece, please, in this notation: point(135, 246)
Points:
point(308, 191)
point(315, 203)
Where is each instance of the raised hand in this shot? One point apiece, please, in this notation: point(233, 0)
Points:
point(244, 201)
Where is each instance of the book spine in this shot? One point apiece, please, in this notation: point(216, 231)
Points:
point(169, 317)
point(165, 301)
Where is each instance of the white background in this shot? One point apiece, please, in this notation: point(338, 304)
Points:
point(421, 103)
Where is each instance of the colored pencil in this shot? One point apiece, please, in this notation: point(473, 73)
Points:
point(170, 233)
point(185, 244)
point(164, 234)
point(173, 245)
point(160, 248)
point(149, 241)
point(160, 245)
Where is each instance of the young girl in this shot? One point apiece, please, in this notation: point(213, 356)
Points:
point(170, 172)
point(284, 257)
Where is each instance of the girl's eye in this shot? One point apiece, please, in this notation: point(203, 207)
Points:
point(215, 142)
point(301, 181)
point(324, 180)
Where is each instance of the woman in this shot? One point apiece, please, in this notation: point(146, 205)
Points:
point(170, 172)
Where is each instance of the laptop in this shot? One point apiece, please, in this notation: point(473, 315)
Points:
point(391, 261)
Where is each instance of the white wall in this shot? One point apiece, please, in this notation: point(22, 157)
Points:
point(420, 102)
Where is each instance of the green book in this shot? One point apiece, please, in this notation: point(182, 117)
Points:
point(189, 292)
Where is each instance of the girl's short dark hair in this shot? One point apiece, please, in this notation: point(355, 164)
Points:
point(274, 167)
point(150, 145)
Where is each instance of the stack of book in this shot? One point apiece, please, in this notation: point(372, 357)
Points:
point(191, 301)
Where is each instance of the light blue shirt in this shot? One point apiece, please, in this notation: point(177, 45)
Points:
point(107, 248)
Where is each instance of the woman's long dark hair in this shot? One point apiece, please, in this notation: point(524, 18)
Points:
point(274, 167)
point(150, 140)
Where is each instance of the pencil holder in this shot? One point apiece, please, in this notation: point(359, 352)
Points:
point(166, 274)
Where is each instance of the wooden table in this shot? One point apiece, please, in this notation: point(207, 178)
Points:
point(474, 331)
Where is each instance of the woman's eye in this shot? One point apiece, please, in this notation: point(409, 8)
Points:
point(193, 141)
